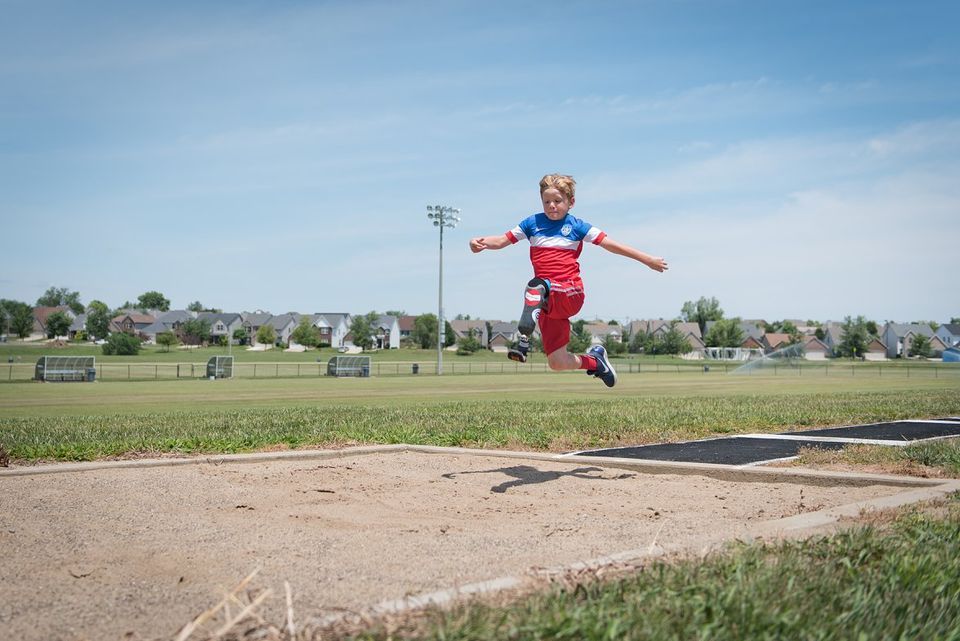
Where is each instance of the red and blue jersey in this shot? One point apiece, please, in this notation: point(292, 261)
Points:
point(555, 245)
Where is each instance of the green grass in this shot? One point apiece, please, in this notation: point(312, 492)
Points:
point(939, 457)
point(555, 412)
point(892, 581)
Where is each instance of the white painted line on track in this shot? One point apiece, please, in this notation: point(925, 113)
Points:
point(825, 439)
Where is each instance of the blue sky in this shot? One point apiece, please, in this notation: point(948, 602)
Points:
point(791, 159)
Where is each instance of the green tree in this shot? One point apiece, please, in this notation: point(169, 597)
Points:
point(167, 340)
point(673, 342)
point(121, 344)
point(57, 296)
point(726, 332)
point(58, 324)
point(306, 333)
point(241, 335)
point(853, 337)
point(613, 345)
point(705, 309)
point(469, 344)
point(195, 331)
point(642, 343)
point(920, 346)
point(424, 331)
point(153, 300)
point(98, 320)
point(362, 328)
point(267, 335)
point(21, 318)
point(4, 316)
point(580, 339)
point(197, 306)
point(449, 336)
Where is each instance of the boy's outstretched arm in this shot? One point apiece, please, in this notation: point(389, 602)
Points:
point(655, 263)
point(488, 242)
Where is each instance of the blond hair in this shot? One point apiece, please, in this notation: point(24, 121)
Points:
point(566, 185)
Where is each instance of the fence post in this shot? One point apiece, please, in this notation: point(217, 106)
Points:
point(254, 370)
point(128, 372)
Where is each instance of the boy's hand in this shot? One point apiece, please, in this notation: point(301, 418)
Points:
point(657, 263)
point(477, 245)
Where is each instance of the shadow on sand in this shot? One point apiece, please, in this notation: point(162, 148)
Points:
point(529, 475)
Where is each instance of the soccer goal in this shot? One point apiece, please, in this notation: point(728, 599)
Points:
point(66, 368)
point(349, 366)
point(220, 367)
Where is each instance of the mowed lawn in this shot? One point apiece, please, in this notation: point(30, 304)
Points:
point(542, 411)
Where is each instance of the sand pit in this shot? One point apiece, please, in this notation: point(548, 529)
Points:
point(134, 551)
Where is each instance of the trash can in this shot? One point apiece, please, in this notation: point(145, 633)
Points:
point(706, 368)
point(416, 368)
point(91, 374)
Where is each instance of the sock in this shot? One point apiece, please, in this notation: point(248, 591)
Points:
point(587, 362)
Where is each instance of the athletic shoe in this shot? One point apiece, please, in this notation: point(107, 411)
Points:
point(604, 371)
point(520, 353)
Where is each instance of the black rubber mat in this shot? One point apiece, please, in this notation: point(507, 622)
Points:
point(725, 451)
point(898, 431)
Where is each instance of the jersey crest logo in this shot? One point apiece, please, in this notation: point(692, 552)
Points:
point(566, 229)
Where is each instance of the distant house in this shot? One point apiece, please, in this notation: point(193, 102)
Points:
point(937, 347)
point(334, 327)
point(463, 328)
point(131, 323)
point(899, 336)
point(170, 321)
point(222, 324)
point(833, 335)
point(406, 324)
point(815, 349)
point(949, 334)
point(40, 316)
point(283, 325)
point(253, 321)
point(658, 327)
point(599, 332)
point(502, 335)
point(78, 325)
point(876, 350)
point(772, 341)
point(386, 332)
point(751, 343)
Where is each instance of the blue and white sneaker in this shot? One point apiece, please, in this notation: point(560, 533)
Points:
point(604, 371)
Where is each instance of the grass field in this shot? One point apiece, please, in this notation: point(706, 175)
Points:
point(554, 411)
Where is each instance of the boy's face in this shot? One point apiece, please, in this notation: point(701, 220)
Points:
point(555, 203)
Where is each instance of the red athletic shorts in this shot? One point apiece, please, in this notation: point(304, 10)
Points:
point(563, 303)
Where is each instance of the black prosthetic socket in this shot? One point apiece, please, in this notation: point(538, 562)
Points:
point(535, 300)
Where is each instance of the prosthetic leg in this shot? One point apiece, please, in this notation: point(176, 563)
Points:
point(534, 301)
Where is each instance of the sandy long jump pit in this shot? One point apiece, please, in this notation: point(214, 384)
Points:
point(136, 549)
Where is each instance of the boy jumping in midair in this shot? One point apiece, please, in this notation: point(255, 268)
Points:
point(555, 294)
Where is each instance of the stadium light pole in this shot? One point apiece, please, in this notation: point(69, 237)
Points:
point(442, 216)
